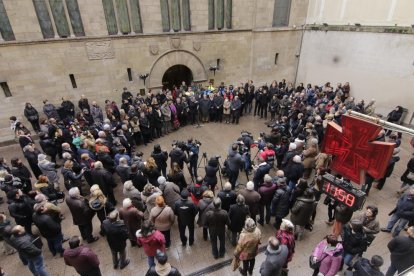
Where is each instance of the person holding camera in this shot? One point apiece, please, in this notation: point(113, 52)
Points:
point(177, 155)
point(260, 171)
point(193, 148)
point(234, 163)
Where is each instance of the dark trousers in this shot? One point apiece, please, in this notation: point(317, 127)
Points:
point(118, 257)
point(331, 212)
point(35, 125)
point(205, 233)
point(93, 272)
point(233, 178)
point(263, 111)
point(86, 231)
point(278, 222)
point(248, 265)
point(234, 238)
point(167, 236)
point(256, 108)
point(164, 171)
point(219, 115)
point(262, 209)
point(236, 116)
point(137, 140)
point(193, 166)
point(183, 237)
point(111, 196)
point(381, 183)
point(213, 239)
point(55, 244)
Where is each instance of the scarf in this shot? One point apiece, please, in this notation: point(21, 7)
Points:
point(163, 270)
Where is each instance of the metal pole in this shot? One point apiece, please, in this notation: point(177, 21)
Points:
point(381, 122)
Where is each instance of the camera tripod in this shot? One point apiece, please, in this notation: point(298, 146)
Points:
point(205, 162)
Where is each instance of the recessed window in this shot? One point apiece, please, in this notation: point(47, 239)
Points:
point(276, 58)
point(6, 89)
point(129, 74)
point(73, 81)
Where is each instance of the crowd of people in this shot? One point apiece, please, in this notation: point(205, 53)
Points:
point(93, 153)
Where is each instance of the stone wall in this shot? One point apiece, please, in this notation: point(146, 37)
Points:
point(378, 65)
point(37, 69)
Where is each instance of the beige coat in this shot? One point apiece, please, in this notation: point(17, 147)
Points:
point(162, 217)
point(248, 244)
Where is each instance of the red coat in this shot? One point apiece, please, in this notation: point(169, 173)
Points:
point(151, 242)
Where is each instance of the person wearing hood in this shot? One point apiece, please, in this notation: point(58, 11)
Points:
point(302, 211)
point(170, 191)
point(151, 239)
point(116, 234)
point(82, 215)
point(276, 255)
point(132, 218)
point(266, 191)
point(49, 170)
point(329, 253)
point(162, 216)
point(205, 205)
point(32, 116)
point(160, 158)
point(100, 204)
point(248, 246)
point(216, 221)
point(162, 268)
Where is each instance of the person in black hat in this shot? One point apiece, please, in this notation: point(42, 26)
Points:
point(162, 268)
point(185, 210)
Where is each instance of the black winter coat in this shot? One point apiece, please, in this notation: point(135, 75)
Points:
point(25, 247)
point(364, 268)
point(237, 216)
point(179, 157)
point(116, 234)
point(79, 208)
point(353, 243)
point(21, 209)
point(152, 175)
point(281, 202)
point(48, 225)
point(31, 114)
point(228, 198)
point(138, 180)
point(211, 175)
point(48, 146)
point(216, 221)
point(178, 179)
point(402, 251)
point(104, 179)
point(160, 159)
point(186, 211)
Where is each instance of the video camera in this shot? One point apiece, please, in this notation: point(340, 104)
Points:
point(179, 144)
point(246, 133)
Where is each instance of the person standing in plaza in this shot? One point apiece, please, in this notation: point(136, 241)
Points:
point(402, 252)
point(186, 211)
point(162, 216)
point(82, 258)
point(151, 239)
point(216, 221)
point(116, 234)
point(276, 256)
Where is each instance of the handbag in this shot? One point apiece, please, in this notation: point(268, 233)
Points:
point(315, 265)
point(235, 263)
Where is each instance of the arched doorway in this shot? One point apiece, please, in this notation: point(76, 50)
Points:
point(175, 75)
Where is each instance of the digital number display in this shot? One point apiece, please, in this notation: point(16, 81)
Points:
point(343, 192)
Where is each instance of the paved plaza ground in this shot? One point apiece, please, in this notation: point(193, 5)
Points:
point(215, 138)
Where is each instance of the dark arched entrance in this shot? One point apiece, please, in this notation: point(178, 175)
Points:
point(175, 75)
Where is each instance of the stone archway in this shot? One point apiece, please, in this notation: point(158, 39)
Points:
point(176, 57)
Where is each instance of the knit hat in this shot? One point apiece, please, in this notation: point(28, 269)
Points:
point(267, 178)
point(184, 194)
point(250, 186)
point(41, 157)
point(161, 180)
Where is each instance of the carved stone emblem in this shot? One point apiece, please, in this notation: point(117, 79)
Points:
point(175, 42)
point(100, 50)
point(154, 49)
point(197, 45)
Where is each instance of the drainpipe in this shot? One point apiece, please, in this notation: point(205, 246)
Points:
point(299, 54)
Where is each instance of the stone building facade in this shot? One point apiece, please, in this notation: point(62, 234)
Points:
point(37, 68)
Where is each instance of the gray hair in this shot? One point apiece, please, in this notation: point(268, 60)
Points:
point(123, 161)
point(74, 192)
point(98, 165)
point(66, 155)
point(227, 186)
point(240, 200)
point(127, 203)
point(217, 203)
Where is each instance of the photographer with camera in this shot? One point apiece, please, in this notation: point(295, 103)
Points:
point(177, 154)
point(260, 171)
point(234, 163)
point(193, 148)
point(211, 173)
